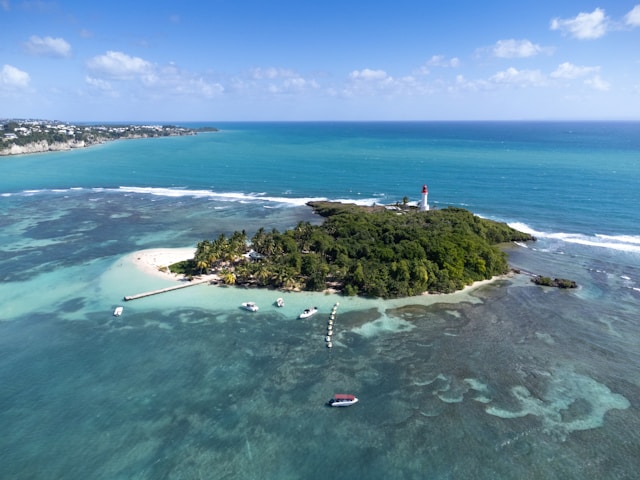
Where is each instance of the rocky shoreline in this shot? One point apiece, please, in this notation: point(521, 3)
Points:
point(44, 146)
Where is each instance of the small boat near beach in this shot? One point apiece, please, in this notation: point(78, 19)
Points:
point(308, 312)
point(118, 311)
point(342, 400)
point(280, 302)
point(252, 307)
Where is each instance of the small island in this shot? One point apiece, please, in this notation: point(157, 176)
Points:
point(370, 251)
point(556, 282)
point(36, 136)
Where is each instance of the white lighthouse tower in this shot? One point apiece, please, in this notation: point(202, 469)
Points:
point(424, 206)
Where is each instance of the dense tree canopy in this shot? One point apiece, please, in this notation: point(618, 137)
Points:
point(372, 251)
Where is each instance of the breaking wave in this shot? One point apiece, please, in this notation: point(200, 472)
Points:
point(625, 243)
point(189, 193)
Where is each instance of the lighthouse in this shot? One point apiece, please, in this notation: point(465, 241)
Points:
point(424, 206)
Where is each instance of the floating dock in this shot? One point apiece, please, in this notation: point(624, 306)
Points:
point(128, 298)
point(332, 318)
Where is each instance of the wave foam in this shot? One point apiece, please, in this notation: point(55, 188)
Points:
point(625, 243)
point(189, 193)
point(239, 196)
point(222, 196)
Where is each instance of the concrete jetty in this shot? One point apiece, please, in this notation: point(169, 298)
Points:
point(128, 298)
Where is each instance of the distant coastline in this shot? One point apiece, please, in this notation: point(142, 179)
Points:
point(21, 137)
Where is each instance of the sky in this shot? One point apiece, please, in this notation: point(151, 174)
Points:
point(306, 60)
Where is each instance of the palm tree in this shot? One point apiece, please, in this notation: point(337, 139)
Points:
point(242, 272)
point(288, 279)
point(202, 265)
point(282, 276)
point(262, 273)
point(228, 277)
point(238, 243)
point(302, 234)
point(258, 240)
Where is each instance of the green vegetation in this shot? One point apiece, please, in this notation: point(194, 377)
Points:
point(371, 251)
point(556, 282)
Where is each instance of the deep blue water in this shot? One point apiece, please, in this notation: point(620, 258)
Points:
point(511, 381)
point(554, 176)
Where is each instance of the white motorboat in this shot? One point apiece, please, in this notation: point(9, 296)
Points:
point(342, 400)
point(308, 312)
point(252, 307)
point(118, 311)
point(280, 302)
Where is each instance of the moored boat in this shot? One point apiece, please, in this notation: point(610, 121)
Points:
point(342, 400)
point(118, 311)
point(280, 302)
point(308, 312)
point(251, 306)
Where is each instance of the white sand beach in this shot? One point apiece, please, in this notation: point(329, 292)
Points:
point(152, 260)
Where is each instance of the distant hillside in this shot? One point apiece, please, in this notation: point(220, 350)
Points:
point(36, 136)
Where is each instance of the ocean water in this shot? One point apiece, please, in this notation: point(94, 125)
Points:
point(509, 380)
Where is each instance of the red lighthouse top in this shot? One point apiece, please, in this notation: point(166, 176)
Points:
point(424, 189)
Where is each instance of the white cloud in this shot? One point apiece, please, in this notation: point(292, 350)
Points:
point(633, 17)
point(48, 46)
point(98, 83)
point(442, 61)
point(298, 84)
point(157, 81)
point(275, 80)
point(515, 49)
point(170, 80)
point(193, 86)
point(368, 75)
point(368, 82)
point(271, 73)
point(12, 77)
point(584, 26)
point(522, 78)
point(119, 65)
point(598, 83)
point(570, 71)
point(462, 84)
point(438, 61)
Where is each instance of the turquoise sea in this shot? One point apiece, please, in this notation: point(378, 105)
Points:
point(507, 381)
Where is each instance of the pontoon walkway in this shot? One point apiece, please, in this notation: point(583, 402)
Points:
point(167, 289)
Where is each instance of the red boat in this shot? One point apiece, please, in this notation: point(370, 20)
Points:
point(342, 400)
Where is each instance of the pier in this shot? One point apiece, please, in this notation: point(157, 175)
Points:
point(128, 298)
